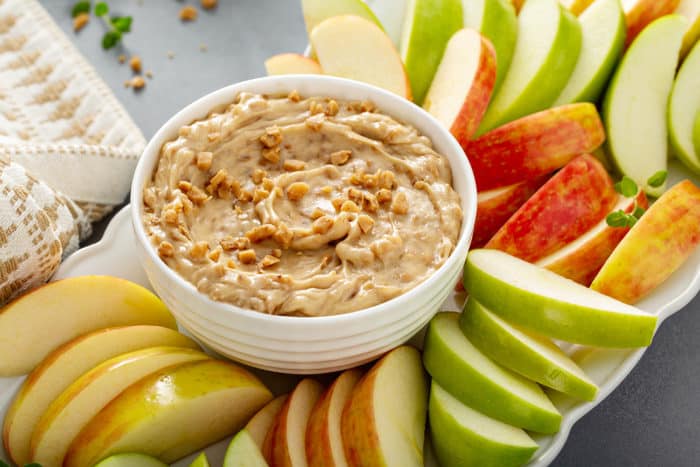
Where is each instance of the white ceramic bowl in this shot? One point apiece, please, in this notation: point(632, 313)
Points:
point(295, 344)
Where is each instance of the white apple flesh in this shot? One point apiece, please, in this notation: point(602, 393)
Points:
point(548, 304)
point(477, 381)
point(462, 436)
point(534, 357)
point(636, 102)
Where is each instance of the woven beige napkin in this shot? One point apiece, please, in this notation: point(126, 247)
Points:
point(67, 147)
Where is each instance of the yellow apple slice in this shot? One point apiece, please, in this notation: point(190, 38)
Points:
point(691, 10)
point(200, 461)
point(66, 364)
point(83, 399)
point(383, 423)
point(355, 48)
point(576, 6)
point(37, 323)
point(292, 64)
point(461, 90)
point(172, 413)
point(260, 424)
point(324, 443)
point(288, 434)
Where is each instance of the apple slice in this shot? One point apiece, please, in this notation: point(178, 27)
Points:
point(655, 247)
point(691, 10)
point(200, 461)
point(87, 395)
point(316, 11)
point(369, 57)
point(461, 90)
point(469, 375)
point(288, 436)
point(546, 51)
point(172, 413)
point(581, 259)
point(576, 6)
point(38, 322)
point(683, 109)
point(463, 436)
point(324, 442)
point(495, 20)
point(534, 145)
point(548, 304)
point(428, 25)
point(564, 208)
point(640, 13)
point(131, 459)
point(696, 133)
point(494, 208)
point(245, 449)
point(383, 423)
point(292, 64)
point(534, 357)
point(244, 452)
point(636, 102)
point(603, 30)
point(66, 364)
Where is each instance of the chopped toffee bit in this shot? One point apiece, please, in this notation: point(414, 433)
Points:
point(383, 196)
point(188, 13)
point(166, 249)
point(341, 157)
point(261, 232)
point(293, 165)
point(400, 203)
point(208, 4)
point(322, 225)
point(203, 160)
point(238, 243)
point(247, 256)
point(272, 137)
point(271, 154)
point(135, 64)
point(80, 21)
point(365, 222)
point(297, 190)
point(349, 206)
point(199, 249)
point(137, 82)
point(269, 261)
point(294, 96)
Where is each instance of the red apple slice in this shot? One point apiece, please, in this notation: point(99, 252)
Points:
point(461, 89)
point(639, 13)
point(383, 423)
point(569, 204)
point(535, 145)
point(355, 48)
point(655, 247)
point(285, 442)
point(581, 259)
point(494, 208)
point(324, 443)
point(292, 64)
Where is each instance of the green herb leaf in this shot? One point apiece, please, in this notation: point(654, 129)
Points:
point(617, 219)
point(3, 463)
point(33, 464)
point(626, 187)
point(122, 23)
point(101, 9)
point(658, 179)
point(110, 39)
point(638, 212)
point(78, 8)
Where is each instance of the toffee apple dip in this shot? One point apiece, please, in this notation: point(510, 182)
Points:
point(303, 207)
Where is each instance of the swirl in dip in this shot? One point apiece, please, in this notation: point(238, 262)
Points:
point(303, 207)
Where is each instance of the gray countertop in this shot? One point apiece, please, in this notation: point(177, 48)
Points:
point(652, 419)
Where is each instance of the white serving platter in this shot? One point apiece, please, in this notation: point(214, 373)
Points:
point(114, 255)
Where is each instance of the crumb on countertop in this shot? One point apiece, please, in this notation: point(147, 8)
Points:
point(149, 74)
point(171, 54)
point(188, 13)
point(80, 21)
point(137, 82)
point(203, 47)
point(135, 64)
point(122, 58)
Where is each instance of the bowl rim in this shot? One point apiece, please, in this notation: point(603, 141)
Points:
point(411, 114)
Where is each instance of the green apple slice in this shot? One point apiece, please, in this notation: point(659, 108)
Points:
point(532, 356)
point(495, 20)
point(391, 15)
point(603, 30)
point(131, 459)
point(636, 102)
point(546, 52)
point(462, 436)
point(683, 110)
point(696, 133)
point(200, 461)
point(691, 10)
point(428, 25)
point(474, 379)
point(244, 452)
point(549, 304)
point(315, 11)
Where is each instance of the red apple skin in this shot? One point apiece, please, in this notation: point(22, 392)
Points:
point(477, 101)
point(583, 264)
point(658, 244)
point(564, 208)
point(644, 12)
point(493, 212)
point(535, 145)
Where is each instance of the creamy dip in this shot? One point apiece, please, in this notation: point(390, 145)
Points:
point(303, 207)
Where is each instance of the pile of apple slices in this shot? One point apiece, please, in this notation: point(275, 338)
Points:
point(489, 362)
point(108, 373)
